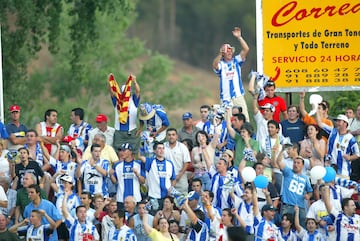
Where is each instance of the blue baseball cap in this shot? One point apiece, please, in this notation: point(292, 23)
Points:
point(126, 146)
point(186, 115)
point(193, 196)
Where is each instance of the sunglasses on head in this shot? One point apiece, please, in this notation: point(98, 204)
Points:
point(270, 83)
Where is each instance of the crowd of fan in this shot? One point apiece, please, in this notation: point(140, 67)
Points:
point(145, 180)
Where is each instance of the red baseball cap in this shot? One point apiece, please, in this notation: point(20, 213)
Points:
point(14, 108)
point(101, 118)
point(68, 139)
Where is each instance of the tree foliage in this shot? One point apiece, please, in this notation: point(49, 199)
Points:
point(88, 42)
point(27, 26)
point(200, 27)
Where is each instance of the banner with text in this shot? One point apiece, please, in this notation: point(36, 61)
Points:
point(311, 44)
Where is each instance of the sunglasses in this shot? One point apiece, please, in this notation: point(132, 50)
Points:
point(270, 83)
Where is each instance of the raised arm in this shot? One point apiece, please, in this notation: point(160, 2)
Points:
point(231, 130)
point(255, 103)
point(217, 59)
point(245, 48)
point(297, 219)
point(255, 202)
point(64, 210)
point(208, 207)
point(136, 85)
point(302, 104)
point(279, 160)
point(49, 219)
point(101, 207)
point(146, 225)
point(13, 229)
point(327, 201)
point(193, 218)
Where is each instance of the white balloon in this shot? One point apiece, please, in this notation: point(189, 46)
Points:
point(248, 174)
point(317, 172)
point(315, 99)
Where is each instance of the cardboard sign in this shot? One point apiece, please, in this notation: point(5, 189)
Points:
point(311, 45)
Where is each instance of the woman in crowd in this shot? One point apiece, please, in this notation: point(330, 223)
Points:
point(175, 229)
point(162, 234)
point(203, 157)
point(313, 146)
point(167, 212)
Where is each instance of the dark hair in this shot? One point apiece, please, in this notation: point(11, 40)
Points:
point(345, 202)
point(258, 164)
point(240, 116)
point(88, 194)
point(78, 207)
point(162, 219)
point(211, 194)
point(205, 106)
point(236, 233)
point(270, 83)
point(24, 148)
point(93, 146)
point(37, 211)
point(294, 106)
point(36, 187)
point(120, 213)
point(189, 143)
point(248, 127)
point(228, 210)
point(260, 156)
point(308, 219)
point(203, 133)
point(249, 186)
point(275, 123)
point(48, 113)
point(174, 221)
point(300, 158)
point(171, 129)
point(239, 108)
point(318, 135)
point(142, 202)
point(326, 104)
point(34, 131)
point(196, 180)
point(156, 143)
point(78, 112)
point(323, 106)
point(171, 199)
point(289, 217)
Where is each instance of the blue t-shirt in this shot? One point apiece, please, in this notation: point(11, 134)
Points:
point(294, 188)
point(295, 131)
point(49, 209)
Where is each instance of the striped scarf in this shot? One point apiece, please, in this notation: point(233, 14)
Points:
point(122, 99)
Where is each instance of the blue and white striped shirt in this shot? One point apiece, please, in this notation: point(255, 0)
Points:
point(123, 234)
point(338, 145)
point(132, 117)
point(231, 85)
point(128, 183)
point(159, 175)
point(93, 181)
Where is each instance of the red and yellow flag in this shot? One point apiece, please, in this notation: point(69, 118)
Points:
point(122, 99)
